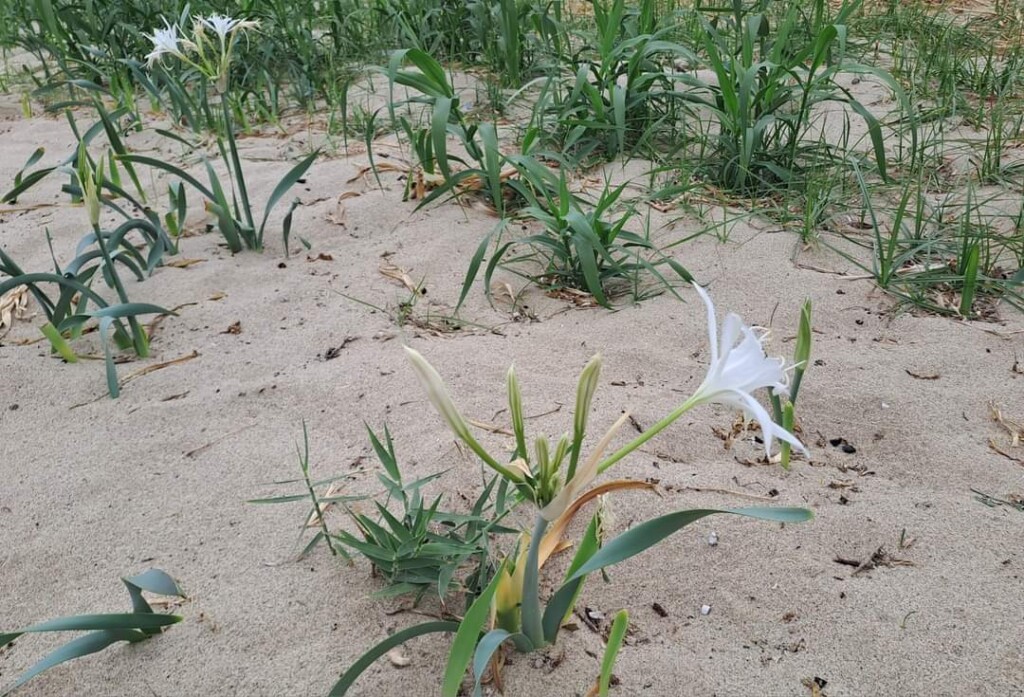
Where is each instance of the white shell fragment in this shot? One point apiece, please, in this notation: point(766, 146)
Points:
point(398, 658)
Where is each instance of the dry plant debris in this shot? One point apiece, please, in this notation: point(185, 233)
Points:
point(1014, 433)
point(13, 306)
point(881, 557)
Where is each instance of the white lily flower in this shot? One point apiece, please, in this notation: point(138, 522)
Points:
point(223, 26)
point(167, 42)
point(739, 366)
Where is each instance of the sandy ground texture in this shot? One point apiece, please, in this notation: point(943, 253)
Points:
point(95, 488)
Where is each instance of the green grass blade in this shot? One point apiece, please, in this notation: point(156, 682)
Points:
point(396, 639)
point(970, 281)
point(467, 637)
point(287, 182)
point(616, 636)
point(477, 259)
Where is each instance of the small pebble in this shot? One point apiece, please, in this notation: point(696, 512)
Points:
point(713, 539)
point(705, 609)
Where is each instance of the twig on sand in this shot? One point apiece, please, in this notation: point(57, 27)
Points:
point(195, 451)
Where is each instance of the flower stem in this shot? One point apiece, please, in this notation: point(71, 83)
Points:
point(649, 433)
point(531, 616)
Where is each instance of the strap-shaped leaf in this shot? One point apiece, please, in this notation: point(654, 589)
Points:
point(611, 651)
point(644, 536)
point(82, 646)
point(490, 643)
point(396, 639)
point(641, 538)
point(468, 636)
point(152, 581)
point(287, 182)
point(106, 629)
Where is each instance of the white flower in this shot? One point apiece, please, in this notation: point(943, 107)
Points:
point(166, 41)
point(223, 26)
point(738, 367)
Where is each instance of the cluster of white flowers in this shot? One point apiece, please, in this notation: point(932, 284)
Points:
point(170, 42)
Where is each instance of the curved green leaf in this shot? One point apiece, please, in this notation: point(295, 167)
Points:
point(82, 646)
point(396, 639)
point(491, 642)
point(287, 182)
point(642, 537)
point(467, 637)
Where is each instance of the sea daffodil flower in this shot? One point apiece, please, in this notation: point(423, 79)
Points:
point(167, 42)
point(224, 26)
point(739, 366)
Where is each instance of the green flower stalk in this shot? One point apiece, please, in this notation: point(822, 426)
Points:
point(739, 367)
point(515, 408)
point(584, 396)
point(438, 395)
point(784, 402)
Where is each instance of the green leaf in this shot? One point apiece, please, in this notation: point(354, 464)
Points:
point(439, 133)
point(561, 604)
point(287, 182)
point(970, 280)
point(152, 581)
point(126, 620)
point(467, 637)
point(82, 646)
point(171, 169)
point(396, 639)
point(113, 386)
point(641, 537)
point(490, 643)
point(58, 343)
point(478, 257)
point(616, 636)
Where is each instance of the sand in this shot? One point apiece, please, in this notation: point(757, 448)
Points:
point(95, 488)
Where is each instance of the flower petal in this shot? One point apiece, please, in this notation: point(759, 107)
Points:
point(770, 431)
point(712, 321)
